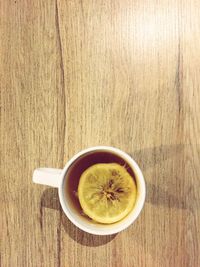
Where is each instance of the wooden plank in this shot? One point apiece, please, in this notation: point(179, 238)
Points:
point(32, 126)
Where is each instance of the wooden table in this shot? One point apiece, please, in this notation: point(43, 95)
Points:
point(75, 74)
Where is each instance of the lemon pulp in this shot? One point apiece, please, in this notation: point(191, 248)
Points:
point(107, 192)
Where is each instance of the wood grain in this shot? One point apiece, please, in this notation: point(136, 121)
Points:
point(74, 74)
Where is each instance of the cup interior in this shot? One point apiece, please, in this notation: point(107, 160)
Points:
point(68, 188)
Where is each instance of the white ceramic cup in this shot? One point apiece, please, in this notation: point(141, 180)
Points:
point(57, 178)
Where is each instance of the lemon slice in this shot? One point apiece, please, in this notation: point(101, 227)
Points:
point(107, 192)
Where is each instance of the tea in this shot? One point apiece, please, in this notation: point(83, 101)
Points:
point(80, 165)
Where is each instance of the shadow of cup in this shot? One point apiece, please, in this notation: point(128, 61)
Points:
point(167, 188)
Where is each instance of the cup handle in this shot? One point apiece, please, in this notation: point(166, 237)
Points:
point(47, 176)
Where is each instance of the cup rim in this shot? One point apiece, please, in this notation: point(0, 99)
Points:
point(125, 222)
